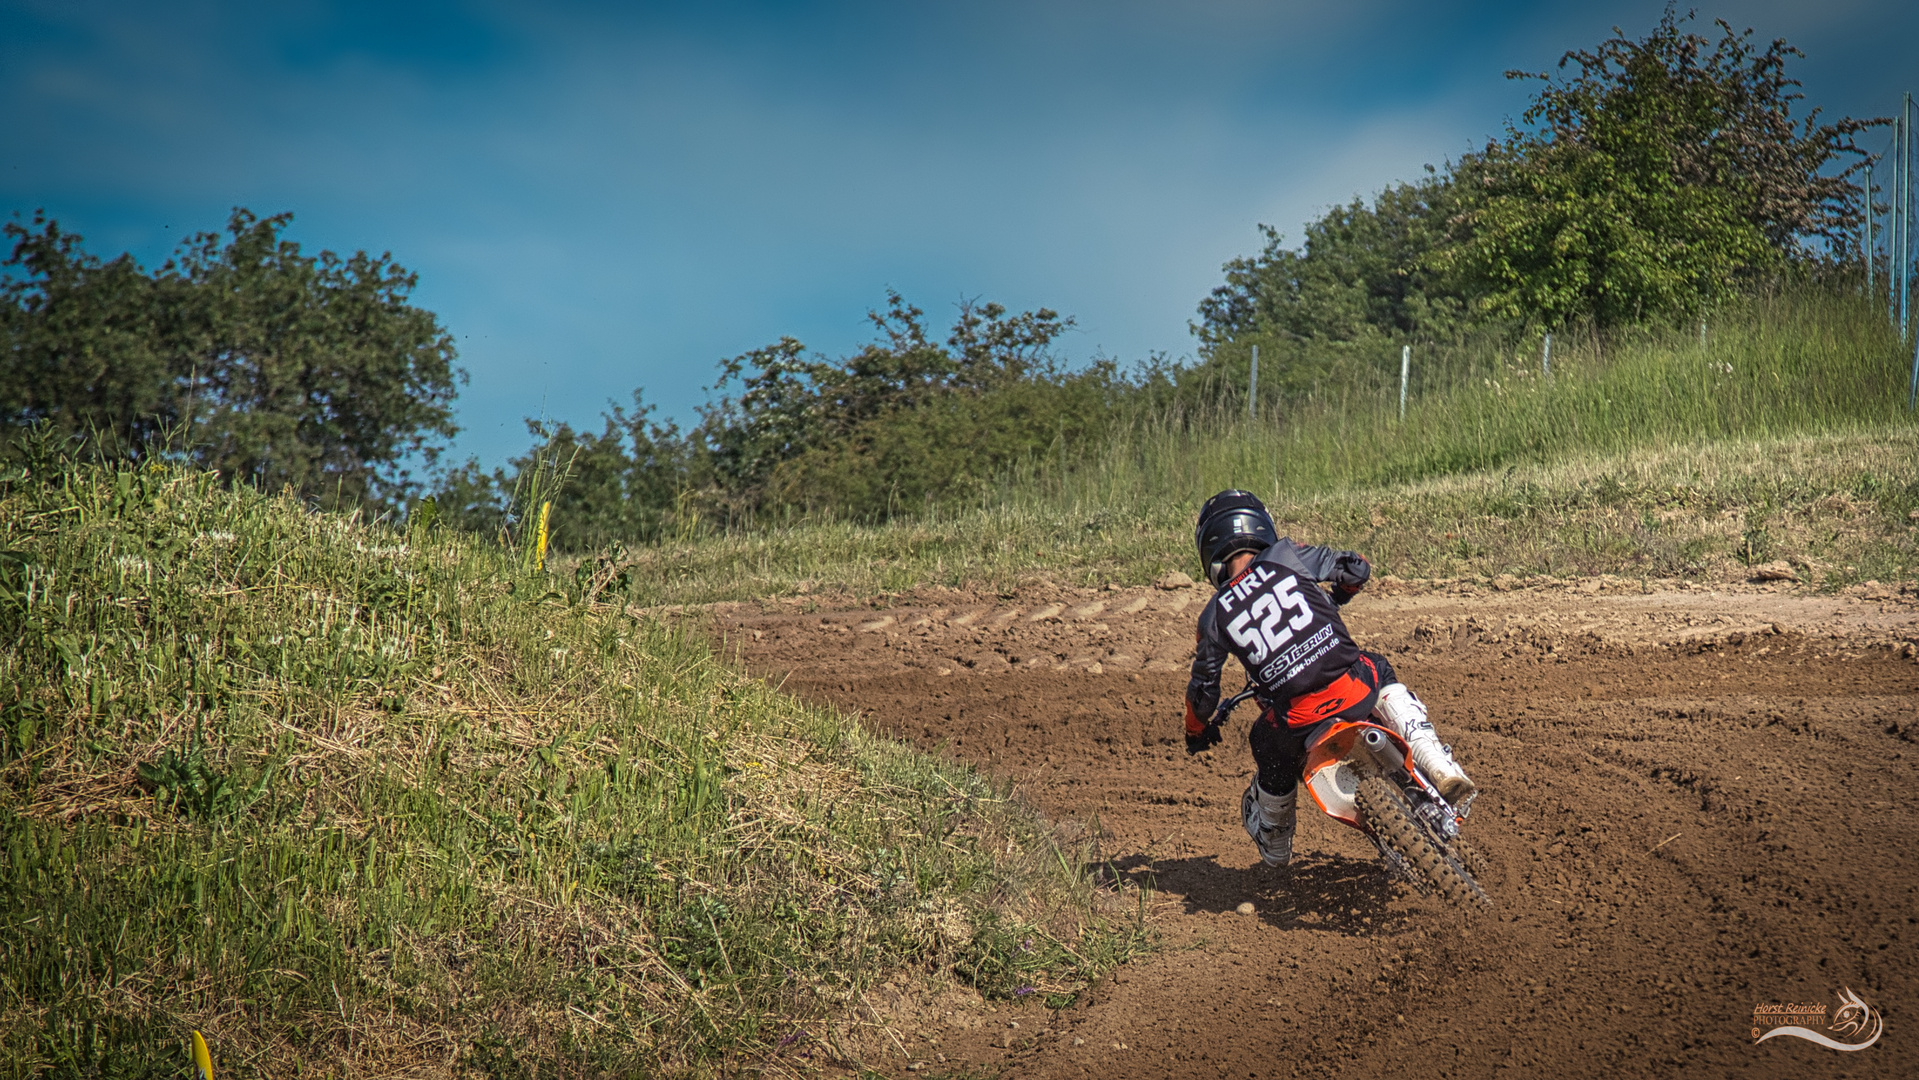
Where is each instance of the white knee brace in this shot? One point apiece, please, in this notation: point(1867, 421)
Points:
point(1403, 712)
point(1406, 715)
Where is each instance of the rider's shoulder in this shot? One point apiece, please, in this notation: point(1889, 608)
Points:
point(1280, 550)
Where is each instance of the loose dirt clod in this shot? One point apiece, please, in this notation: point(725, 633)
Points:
point(1245, 908)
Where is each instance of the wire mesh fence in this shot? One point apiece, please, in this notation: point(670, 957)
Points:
point(1887, 232)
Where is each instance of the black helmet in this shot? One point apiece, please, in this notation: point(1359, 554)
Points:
point(1231, 522)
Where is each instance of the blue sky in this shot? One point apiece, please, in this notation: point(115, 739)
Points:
point(603, 196)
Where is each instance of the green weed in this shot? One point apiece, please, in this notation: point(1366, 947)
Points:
point(187, 783)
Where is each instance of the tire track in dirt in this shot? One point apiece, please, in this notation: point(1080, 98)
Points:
point(1694, 802)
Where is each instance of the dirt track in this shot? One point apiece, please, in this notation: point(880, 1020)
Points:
point(1694, 802)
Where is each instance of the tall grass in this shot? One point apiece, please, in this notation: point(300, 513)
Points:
point(1783, 435)
point(1839, 507)
point(1803, 362)
point(357, 802)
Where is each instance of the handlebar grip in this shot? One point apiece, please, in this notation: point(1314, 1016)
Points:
point(1226, 707)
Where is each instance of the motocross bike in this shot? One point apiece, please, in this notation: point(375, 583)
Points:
point(1363, 775)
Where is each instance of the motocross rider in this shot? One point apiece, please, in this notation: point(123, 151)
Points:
point(1270, 613)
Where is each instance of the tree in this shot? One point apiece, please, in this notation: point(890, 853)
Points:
point(1363, 271)
point(906, 420)
point(799, 418)
point(1330, 316)
point(243, 353)
point(1659, 176)
point(951, 447)
point(1648, 179)
point(87, 343)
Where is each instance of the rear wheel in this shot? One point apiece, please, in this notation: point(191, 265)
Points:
point(1392, 823)
point(1468, 856)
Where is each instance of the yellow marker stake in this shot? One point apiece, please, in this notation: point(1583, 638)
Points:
point(202, 1061)
point(539, 560)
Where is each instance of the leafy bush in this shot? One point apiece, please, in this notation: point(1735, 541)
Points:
point(904, 423)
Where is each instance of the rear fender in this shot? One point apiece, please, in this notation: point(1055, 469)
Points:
point(1341, 755)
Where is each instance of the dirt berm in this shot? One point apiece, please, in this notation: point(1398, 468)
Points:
point(1696, 802)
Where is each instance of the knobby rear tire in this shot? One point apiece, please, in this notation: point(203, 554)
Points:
point(1392, 822)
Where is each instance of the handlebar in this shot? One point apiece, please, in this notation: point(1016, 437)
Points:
point(1226, 707)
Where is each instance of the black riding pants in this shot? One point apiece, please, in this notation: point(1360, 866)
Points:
point(1280, 750)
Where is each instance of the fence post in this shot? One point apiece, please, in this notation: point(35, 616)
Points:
point(1906, 210)
point(1896, 278)
point(1892, 228)
point(1546, 356)
point(1252, 388)
point(1866, 247)
point(1405, 368)
point(1912, 395)
point(1868, 228)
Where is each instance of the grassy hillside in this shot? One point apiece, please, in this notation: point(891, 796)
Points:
point(1783, 435)
point(1840, 507)
point(354, 803)
point(1805, 362)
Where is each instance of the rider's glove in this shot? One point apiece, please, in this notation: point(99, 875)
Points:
point(1207, 738)
point(1350, 575)
point(1199, 734)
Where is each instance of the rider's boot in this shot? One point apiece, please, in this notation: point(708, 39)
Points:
point(1269, 821)
point(1405, 714)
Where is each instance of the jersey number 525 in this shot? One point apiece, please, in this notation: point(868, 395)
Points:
point(1270, 609)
